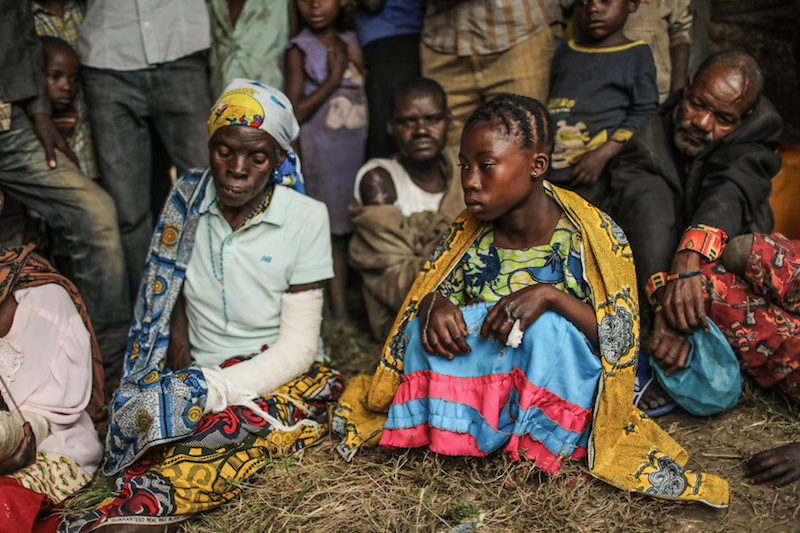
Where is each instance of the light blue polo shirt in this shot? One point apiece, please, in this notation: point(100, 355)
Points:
point(288, 244)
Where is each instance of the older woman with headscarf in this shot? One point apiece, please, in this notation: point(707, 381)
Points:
point(224, 366)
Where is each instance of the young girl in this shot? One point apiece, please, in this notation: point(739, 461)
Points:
point(324, 81)
point(542, 358)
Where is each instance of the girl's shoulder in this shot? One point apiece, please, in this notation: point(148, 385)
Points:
point(315, 61)
point(305, 41)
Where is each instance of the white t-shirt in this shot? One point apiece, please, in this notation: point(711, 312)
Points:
point(410, 197)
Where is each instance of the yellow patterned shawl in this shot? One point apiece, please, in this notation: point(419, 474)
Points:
point(627, 449)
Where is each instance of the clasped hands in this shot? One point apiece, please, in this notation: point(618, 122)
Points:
point(682, 311)
point(443, 330)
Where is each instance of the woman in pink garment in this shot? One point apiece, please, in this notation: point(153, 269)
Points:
point(48, 364)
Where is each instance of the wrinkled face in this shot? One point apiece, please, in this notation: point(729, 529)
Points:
point(496, 170)
point(62, 78)
point(597, 19)
point(420, 125)
point(713, 105)
point(242, 160)
point(319, 14)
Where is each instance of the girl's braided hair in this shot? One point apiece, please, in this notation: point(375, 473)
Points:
point(523, 117)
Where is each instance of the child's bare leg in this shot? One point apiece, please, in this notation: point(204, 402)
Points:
point(337, 287)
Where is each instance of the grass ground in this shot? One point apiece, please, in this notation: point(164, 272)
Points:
point(418, 491)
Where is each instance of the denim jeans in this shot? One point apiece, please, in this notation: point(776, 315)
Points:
point(84, 214)
point(176, 98)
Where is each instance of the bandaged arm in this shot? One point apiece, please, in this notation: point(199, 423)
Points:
point(290, 357)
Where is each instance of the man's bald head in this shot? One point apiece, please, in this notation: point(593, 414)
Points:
point(739, 69)
point(725, 89)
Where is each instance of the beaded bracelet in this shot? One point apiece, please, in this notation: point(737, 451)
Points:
point(660, 279)
point(682, 275)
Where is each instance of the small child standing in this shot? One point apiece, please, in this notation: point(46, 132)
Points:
point(325, 82)
point(602, 88)
point(62, 68)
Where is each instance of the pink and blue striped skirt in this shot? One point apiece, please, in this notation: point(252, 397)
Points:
point(534, 400)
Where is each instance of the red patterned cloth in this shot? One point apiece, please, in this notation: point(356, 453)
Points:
point(760, 314)
point(25, 511)
point(708, 241)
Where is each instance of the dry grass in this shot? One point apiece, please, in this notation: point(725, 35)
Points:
point(384, 491)
point(419, 491)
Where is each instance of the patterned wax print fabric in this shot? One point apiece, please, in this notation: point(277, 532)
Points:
point(626, 448)
point(56, 476)
point(486, 273)
point(499, 395)
point(760, 314)
point(335, 136)
point(30, 498)
point(155, 404)
point(170, 483)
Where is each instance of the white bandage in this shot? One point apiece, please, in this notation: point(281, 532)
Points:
point(514, 336)
point(11, 432)
point(290, 357)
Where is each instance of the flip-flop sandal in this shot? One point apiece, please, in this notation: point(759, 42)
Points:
point(644, 378)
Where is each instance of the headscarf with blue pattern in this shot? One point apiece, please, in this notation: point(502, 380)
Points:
point(250, 103)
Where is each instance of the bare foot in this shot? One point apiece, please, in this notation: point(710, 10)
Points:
point(655, 396)
point(778, 467)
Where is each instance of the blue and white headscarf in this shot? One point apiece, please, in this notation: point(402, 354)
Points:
point(250, 103)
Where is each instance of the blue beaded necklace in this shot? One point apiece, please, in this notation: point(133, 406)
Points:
point(260, 208)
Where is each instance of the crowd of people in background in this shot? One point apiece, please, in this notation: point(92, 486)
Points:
point(490, 171)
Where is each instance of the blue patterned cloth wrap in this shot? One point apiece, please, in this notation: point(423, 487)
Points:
point(553, 355)
point(711, 382)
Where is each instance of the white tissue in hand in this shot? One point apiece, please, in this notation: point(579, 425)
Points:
point(514, 336)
